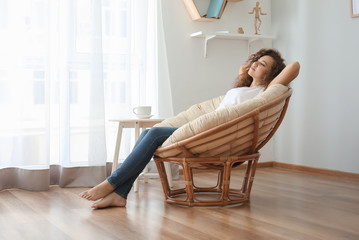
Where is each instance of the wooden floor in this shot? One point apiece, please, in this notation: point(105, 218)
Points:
point(284, 205)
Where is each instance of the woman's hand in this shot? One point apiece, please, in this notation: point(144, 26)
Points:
point(244, 68)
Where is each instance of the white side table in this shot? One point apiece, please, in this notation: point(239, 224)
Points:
point(137, 124)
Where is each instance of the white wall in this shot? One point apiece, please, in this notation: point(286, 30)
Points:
point(194, 78)
point(321, 127)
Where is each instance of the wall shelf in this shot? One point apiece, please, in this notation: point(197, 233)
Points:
point(224, 35)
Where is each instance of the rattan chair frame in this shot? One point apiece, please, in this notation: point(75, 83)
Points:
point(223, 163)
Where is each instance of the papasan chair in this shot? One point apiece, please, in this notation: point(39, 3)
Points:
point(218, 142)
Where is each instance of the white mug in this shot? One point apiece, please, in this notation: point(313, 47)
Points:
point(142, 110)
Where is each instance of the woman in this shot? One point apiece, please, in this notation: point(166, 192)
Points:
point(263, 69)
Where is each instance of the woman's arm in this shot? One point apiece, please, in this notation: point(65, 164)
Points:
point(289, 73)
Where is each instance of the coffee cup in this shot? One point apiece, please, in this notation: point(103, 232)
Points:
point(142, 110)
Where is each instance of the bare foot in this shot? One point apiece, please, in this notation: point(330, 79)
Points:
point(111, 200)
point(98, 192)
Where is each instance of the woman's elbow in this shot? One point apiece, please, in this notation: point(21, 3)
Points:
point(295, 67)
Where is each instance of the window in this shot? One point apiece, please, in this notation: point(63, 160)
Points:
point(66, 65)
point(39, 87)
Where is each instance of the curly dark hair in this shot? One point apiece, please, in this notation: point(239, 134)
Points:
point(244, 80)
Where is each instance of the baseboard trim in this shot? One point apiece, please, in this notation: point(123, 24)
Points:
point(328, 172)
point(294, 167)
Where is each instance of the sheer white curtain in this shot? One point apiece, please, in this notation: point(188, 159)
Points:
point(66, 68)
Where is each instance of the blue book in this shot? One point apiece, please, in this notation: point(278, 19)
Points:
point(214, 8)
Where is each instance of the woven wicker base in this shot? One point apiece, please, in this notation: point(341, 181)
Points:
point(218, 195)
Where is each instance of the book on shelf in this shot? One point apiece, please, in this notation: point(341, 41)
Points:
point(216, 8)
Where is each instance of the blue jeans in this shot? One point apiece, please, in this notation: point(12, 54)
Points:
point(150, 139)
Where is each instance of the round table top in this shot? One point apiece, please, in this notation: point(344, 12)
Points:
point(137, 120)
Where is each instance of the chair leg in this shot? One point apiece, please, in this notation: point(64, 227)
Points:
point(188, 181)
point(254, 166)
point(246, 176)
point(220, 180)
point(226, 181)
point(163, 176)
point(168, 169)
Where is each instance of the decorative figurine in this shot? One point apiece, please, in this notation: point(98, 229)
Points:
point(258, 11)
point(240, 30)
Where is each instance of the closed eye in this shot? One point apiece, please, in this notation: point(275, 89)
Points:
point(263, 63)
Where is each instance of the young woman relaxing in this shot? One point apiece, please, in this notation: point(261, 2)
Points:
point(264, 68)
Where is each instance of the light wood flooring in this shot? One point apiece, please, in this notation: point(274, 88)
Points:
point(284, 204)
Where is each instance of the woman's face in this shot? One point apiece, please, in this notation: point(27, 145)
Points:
point(261, 68)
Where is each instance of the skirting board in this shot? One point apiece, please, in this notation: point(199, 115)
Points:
point(327, 172)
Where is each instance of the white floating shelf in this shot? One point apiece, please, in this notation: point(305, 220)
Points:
point(225, 35)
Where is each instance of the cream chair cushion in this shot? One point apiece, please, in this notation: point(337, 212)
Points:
point(202, 117)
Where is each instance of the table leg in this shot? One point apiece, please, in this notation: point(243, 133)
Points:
point(137, 135)
point(117, 148)
point(145, 170)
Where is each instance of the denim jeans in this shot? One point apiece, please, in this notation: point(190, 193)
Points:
point(150, 139)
